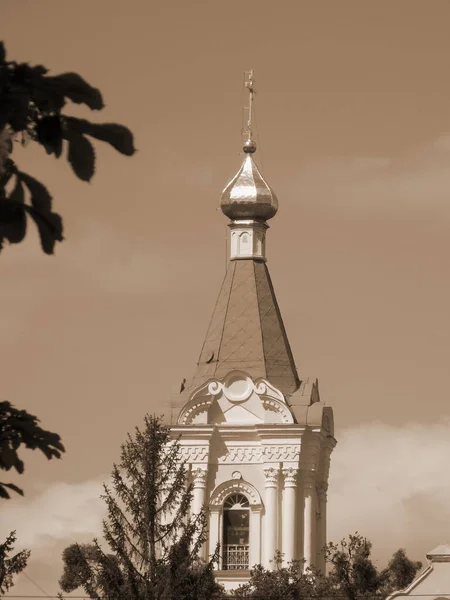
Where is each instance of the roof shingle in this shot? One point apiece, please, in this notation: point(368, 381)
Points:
point(246, 331)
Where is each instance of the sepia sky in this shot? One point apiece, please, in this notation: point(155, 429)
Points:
point(353, 130)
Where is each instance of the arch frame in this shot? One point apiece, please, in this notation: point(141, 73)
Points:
point(256, 507)
point(235, 486)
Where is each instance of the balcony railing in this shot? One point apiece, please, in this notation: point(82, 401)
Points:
point(236, 557)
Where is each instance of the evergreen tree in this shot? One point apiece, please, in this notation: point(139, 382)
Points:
point(10, 565)
point(153, 541)
point(31, 104)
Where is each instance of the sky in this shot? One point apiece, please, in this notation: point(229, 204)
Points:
point(353, 131)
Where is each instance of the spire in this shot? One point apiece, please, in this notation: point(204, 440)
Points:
point(246, 331)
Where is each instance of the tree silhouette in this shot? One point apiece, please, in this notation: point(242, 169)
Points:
point(17, 428)
point(31, 104)
point(10, 565)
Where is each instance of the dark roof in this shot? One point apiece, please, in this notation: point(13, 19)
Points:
point(246, 331)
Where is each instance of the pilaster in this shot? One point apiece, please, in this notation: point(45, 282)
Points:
point(321, 527)
point(309, 518)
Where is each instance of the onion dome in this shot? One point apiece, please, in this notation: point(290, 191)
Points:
point(248, 196)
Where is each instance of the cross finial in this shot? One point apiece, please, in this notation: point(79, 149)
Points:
point(249, 145)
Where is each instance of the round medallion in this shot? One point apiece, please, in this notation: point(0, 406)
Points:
point(238, 387)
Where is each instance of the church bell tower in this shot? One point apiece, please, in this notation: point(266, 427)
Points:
point(256, 437)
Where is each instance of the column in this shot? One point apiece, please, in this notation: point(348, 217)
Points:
point(271, 516)
point(199, 491)
point(309, 518)
point(289, 522)
point(322, 527)
point(255, 536)
point(214, 532)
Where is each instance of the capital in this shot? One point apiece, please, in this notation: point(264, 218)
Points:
point(199, 477)
point(272, 476)
point(290, 477)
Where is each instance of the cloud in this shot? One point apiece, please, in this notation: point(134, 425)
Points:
point(392, 484)
point(60, 512)
point(415, 182)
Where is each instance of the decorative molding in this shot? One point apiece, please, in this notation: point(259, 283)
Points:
point(234, 486)
point(279, 407)
point(199, 477)
point(192, 410)
point(236, 475)
point(242, 454)
point(237, 387)
point(194, 454)
point(290, 477)
point(264, 388)
point(291, 452)
point(214, 387)
point(272, 476)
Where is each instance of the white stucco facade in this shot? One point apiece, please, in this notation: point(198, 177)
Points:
point(240, 436)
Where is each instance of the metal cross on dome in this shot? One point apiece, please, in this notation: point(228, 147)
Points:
point(249, 84)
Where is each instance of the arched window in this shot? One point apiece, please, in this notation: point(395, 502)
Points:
point(236, 532)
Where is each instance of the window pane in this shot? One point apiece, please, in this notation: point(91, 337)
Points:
point(236, 526)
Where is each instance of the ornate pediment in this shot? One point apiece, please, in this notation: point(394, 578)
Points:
point(236, 399)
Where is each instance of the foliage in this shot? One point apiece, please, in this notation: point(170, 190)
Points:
point(352, 576)
point(31, 104)
point(400, 571)
point(291, 582)
point(152, 540)
point(10, 566)
point(18, 427)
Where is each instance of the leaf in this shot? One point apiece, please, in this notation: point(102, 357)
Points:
point(40, 196)
point(2, 52)
point(81, 157)
point(19, 114)
point(6, 109)
point(13, 224)
point(118, 136)
point(8, 458)
point(50, 228)
point(18, 194)
point(3, 492)
point(50, 135)
point(46, 97)
point(78, 90)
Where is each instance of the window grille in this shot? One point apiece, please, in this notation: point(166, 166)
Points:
point(236, 533)
point(236, 557)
